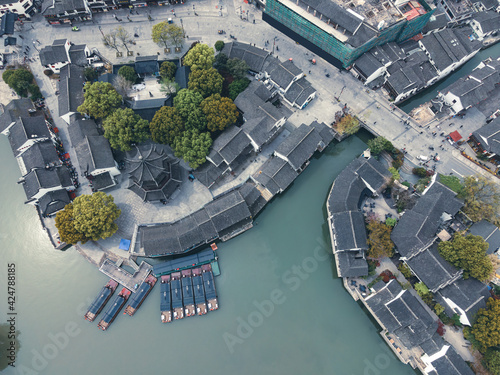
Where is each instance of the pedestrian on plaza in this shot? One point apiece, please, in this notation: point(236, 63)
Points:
point(309, 72)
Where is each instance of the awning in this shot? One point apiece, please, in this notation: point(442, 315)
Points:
point(455, 136)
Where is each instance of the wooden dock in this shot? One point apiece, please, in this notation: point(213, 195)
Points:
point(122, 276)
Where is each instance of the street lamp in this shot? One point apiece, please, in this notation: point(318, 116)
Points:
point(182, 25)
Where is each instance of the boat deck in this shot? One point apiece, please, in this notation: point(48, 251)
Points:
point(139, 296)
point(121, 276)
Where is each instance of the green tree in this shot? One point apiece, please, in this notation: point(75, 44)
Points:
point(405, 270)
point(219, 45)
point(237, 68)
point(379, 144)
point(166, 125)
point(482, 198)
point(65, 224)
point(128, 73)
point(94, 215)
point(469, 253)
point(486, 328)
point(220, 62)
point(220, 112)
point(18, 80)
point(187, 101)
point(238, 86)
point(168, 69)
point(379, 240)
point(169, 86)
point(492, 361)
point(164, 33)
point(196, 120)
point(35, 92)
point(438, 309)
point(193, 147)
point(200, 56)
point(421, 289)
point(101, 99)
point(124, 128)
point(206, 82)
point(347, 125)
point(395, 173)
point(391, 222)
point(90, 74)
point(420, 172)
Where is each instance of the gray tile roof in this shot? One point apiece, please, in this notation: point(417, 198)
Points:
point(350, 232)
point(437, 21)
point(61, 6)
point(56, 53)
point(27, 128)
point(228, 212)
point(284, 73)
point(275, 175)
point(367, 64)
point(253, 56)
point(182, 76)
point(208, 173)
point(153, 174)
point(336, 14)
point(102, 181)
point(489, 20)
point(45, 179)
point(432, 269)
point(489, 136)
point(70, 89)
point(299, 92)
point(7, 22)
point(469, 295)
point(40, 155)
point(53, 201)
point(146, 64)
point(490, 233)
point(263, 92)
point(14, 109)
point(253, 198)
point(403, 314)
point(351, 264)
point(299, 146)
point(325, 131)
point(417, 228)
point(77, 55)
point(230, 145)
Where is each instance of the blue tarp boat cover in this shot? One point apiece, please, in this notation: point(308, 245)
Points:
point(138, 296)
point(165, 297)
point(99, 301)
point(208, 283)
point(199, 292)
point(124, 244)
point(113, 309)
point(203, 257)
point(176, 293)
point(187, 291)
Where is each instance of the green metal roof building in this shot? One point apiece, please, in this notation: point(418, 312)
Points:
point(345, 29)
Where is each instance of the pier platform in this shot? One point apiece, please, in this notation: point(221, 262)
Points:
point(122, 276)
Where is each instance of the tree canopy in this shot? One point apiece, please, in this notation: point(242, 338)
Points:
point(187, 101)
point(482, 198)
point(166, 125)
point(89, 217)
point(205, 81)
point(492, 361)
point(421, 289)
point(19, 80)
point(193, 147)
point(124, 127)
point(128, 73)
point(469, 253)
point(347, 125)
point(124, 37)
point(110, 40)
point(486, 328)
point(220, 62)
point(168, 69)
point(101, 99)
point(219, 45)
point(90, 74)
point(238, 86)
point(379, 144)
point(200, 56)
point(220, 112)
point(237, 68)
point(379, 240)
point(164, 33)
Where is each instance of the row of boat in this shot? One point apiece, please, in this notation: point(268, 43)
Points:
point(185, 293)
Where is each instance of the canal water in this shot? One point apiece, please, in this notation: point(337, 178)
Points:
point(431, 92)
point(282, 308)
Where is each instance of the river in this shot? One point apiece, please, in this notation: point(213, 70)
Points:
point(431, 92)
point(312, 326)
